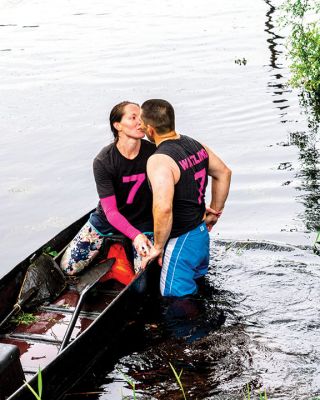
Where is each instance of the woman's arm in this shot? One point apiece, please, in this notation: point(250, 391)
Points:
point(118, 221)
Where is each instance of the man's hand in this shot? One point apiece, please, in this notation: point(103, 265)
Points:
point(153, 255)
point(142, 245)
point(211, 217)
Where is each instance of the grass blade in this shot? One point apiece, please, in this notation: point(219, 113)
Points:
point(32, 391)
point(39, 382)
point(178, 380)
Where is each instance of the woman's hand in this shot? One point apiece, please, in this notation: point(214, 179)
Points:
point(142, 245)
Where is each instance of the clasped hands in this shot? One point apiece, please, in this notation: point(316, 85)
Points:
point(146, 250)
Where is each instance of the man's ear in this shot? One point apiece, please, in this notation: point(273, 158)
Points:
point(117, 125)
point(151, 131)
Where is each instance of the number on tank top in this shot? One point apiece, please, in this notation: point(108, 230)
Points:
point(201, 177)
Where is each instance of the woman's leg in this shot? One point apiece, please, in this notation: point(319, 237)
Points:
point(81, 250)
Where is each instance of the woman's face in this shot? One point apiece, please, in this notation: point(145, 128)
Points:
point(130, 123)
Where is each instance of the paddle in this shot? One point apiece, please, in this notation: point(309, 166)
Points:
point(86, 282)
point(43, 281)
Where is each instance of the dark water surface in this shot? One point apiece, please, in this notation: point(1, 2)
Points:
point(63, 65)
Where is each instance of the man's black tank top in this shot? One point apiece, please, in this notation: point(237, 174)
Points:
point(189, 194)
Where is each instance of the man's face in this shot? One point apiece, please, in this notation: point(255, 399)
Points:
point(147, 129)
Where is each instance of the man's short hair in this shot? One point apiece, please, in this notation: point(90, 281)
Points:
point(159, 114)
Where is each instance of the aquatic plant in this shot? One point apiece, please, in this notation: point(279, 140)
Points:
point(48, 250)
point(240, 61)
point(131, 383)
point(302, 16)
point(316, 248)
point(24, 318)
point(39, 394)
point(262, 396)
point(178, 378)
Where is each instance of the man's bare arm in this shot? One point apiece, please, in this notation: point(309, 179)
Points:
point(221, 178)
point(160, 169)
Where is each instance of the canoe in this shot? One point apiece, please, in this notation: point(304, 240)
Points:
point(106, 313)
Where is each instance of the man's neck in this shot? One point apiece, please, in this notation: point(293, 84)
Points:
point(172, 135)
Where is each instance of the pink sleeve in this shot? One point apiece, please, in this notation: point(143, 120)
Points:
point(117, 220)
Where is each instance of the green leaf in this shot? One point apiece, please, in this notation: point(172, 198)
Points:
point(178, 380)
point(32, 391)
point(39, 382)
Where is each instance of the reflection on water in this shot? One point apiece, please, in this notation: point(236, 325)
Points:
point(308, 143)
point(277, 85)
point(273, 38)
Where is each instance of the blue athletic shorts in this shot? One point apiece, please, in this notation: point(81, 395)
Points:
point(186, 258)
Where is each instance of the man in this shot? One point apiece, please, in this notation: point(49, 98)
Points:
point(178, 173)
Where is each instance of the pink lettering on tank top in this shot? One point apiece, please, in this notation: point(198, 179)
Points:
point(194, 159)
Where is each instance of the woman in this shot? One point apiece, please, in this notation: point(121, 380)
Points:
point(125, 198)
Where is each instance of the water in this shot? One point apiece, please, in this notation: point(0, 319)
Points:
point(62, 68)
point(258, 324)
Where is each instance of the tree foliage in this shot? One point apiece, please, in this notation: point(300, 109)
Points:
point(302, 16)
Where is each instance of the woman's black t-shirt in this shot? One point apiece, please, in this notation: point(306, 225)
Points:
point(127, 180)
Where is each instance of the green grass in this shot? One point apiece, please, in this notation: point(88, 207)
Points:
point(39, 394)
point(178, 378)
point(130, 382)
point(262, 396)
point(316, 249)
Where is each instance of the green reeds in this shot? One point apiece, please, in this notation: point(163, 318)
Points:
point(316, 245)
point(262, 396)
point(178, 378)
point(39, 394)
point(130, 382)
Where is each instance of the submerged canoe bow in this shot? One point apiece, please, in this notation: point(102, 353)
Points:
point(43, 344)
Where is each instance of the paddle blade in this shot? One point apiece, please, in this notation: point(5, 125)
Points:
point(93, 274)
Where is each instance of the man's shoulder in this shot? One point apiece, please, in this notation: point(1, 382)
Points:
point(161, 162)
point(190, 140)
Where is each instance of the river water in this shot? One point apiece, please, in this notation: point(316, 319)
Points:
point(64, 64)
